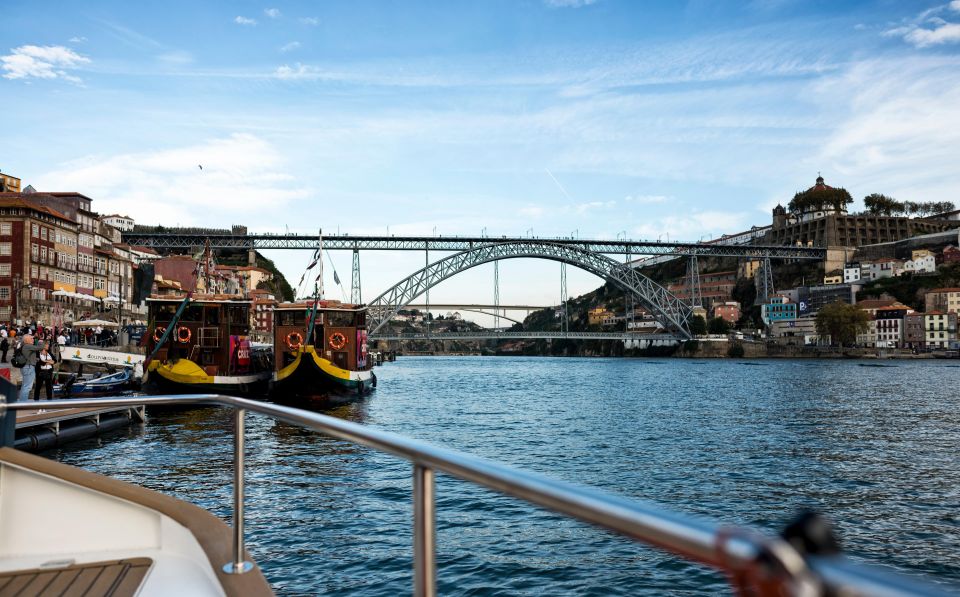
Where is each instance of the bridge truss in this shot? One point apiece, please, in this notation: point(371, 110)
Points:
point(186, 242)
point(671, 312)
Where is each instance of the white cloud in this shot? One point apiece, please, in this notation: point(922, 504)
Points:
point(243, 176)
point(77, 40)
point(946, 33)
point(290, 47)
point(312, 21)
point(273, 13)
point(694, 226)
point(176, 57)
point(568, 3)
point(645, 199)
point(901, 133)
point(42, 62)
point(928, 29)
point(244, 21)
point(531, 212)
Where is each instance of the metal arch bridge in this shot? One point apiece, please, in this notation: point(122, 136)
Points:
point(522, 335)
point(670, 311)
point(174, 240)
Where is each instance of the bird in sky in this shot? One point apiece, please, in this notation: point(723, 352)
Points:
point(200, 166)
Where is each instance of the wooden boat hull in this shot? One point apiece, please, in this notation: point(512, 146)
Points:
point(186, 377)
point(312, 378)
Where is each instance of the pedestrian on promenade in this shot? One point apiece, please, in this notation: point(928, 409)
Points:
point(4, 347)
point(44, 374)
point(29, 350)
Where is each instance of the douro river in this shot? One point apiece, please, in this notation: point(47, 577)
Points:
point(873, 445)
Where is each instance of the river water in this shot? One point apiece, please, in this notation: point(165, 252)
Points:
point(872, 445)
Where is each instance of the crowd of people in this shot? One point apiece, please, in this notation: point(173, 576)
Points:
point(36, 351)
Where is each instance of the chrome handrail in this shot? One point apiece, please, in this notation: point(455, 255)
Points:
point(755, 563)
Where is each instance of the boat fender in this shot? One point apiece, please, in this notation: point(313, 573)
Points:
point(294, 340)
point(184, 334)
point(158, 333)
point(337, 340)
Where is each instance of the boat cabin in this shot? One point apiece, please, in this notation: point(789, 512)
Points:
point(212, 331)
point(339, 333)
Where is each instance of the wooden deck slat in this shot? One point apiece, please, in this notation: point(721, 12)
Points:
point(116, 578)
point(105, 581)
point(83, 581)
point(40, 582)
point(17, 583)
point(61, 583)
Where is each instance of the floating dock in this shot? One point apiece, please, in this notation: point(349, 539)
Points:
point(37, 431)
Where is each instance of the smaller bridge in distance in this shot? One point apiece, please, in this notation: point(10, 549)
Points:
point(521, 335)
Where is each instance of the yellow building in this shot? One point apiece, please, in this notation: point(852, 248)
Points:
point(9, 184)
point(598, 316)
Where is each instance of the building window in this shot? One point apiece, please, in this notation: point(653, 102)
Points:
point(34, 251)
point(4, 292)
point(5, 270)
point(5, 248)
point(36, 231)
point(43, 234)
point(34, 272)
point(6, 228)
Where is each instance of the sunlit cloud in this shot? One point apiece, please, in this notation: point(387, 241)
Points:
point(273, 13)
point(41, 62)
point(240, 20)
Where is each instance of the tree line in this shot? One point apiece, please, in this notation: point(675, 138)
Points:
point(881, 205)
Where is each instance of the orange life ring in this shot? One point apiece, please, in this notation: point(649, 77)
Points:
point(290, 340)
point(184, 334)
point(158, 333)
point(337, 340)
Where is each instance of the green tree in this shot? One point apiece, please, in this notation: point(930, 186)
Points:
point(718, 325)
point(881, 205)
point(842, 322)
point(820, 199)
point(698, 325)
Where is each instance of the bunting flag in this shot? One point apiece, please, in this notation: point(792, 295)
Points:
point(336, 278)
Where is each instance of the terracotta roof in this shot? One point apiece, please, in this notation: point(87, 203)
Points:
point(141, 249)
point(943, 290)
point(877, 303)
point(17, 200)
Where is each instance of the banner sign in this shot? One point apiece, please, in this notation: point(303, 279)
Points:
point(96, 355)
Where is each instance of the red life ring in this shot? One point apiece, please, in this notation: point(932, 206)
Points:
point(294, 340)
point(158, 333)
point(337, 340)
point(184, 334)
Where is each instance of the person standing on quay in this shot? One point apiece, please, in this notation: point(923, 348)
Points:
point(44, 373)
point(4, 347)
point(29, 370)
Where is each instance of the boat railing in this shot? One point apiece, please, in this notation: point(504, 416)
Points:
point(755, 563)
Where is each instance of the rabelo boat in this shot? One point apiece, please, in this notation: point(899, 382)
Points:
point(321, 357)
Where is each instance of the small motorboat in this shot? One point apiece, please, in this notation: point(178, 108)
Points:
point(90, 387)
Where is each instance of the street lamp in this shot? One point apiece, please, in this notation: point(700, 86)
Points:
point(530, 232)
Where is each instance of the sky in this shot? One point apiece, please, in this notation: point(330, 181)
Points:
point(589, 118)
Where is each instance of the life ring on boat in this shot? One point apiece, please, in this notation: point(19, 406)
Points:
point(294, 340)
point(158, 333)
point(337, 340)
point(184, 334)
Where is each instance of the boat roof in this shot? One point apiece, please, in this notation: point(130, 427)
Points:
point(323, 305)
point(200, 298)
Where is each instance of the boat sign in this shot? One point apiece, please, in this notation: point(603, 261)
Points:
point(96, 355)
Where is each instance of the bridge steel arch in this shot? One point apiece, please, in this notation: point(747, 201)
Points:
point(669, 310)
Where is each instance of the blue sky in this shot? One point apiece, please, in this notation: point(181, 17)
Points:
point(596, 117)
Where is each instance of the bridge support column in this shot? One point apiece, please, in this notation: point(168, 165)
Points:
point(763, 280)
point(565, 322)
point(355, 295)
point(496, 295)
point(693, 282)
point(252, 257)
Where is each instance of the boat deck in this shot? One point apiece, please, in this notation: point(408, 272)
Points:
point(116, 578)
point(36, 418)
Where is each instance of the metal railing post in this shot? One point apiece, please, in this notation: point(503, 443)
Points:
point(238, 565)
point(424, 533)
point(8, 418)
